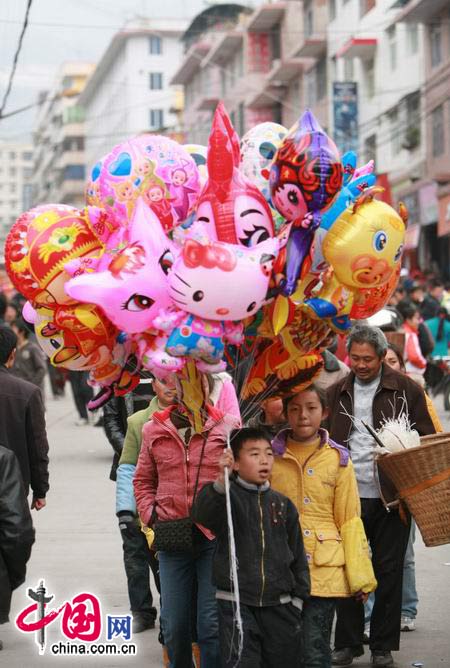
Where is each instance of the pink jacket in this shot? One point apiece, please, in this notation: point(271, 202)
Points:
point(166, 470)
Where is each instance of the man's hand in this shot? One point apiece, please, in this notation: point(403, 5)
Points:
point(38, 504)
point(226, 461)
point(361, 596)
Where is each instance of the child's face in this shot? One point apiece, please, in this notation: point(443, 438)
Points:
point(305, 414)
point(254, 461)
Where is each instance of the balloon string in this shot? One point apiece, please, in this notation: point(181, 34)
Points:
point(237, 617)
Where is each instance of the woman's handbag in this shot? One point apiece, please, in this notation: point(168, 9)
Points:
point(176, 535)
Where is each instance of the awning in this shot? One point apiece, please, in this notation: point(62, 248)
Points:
point(313, 47)
point(358, 47)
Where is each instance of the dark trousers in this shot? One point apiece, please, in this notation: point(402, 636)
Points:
point(272, 636)
point(178, 572)
point(388, 538)
point(137, 558)
point(317, 621)
point(82, 392)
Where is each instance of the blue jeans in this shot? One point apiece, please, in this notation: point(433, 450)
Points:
point(177, 572)
point(410, 598)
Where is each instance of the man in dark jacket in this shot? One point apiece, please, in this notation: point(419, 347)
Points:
point(16, 531)
point(371, 393)
point(273, 570)
point(22, 422)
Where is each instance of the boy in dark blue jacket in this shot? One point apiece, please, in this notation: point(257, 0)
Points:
point(272, 568)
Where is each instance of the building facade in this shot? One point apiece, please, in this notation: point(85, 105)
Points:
point(130, 91)
point(433, 17)
point(59, 142)
point(16, 177)
point(266, 64)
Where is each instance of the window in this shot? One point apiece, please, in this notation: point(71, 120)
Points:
point(13, 204)
point(308, 18)
point(74, 172)
point(156, 80)
point(155, 45)
point(73, 144)
point(156, 119)
point(436, 44)
point(27, 172)
point(369, 76)
point(411, 139)
point(27, 155)
point(392, 40)
point(412, 38)
point(12, 155)
point(73, 114)
point(321, 79)
point(12, 172)
point(12, 188)
point(365, 6)
point(370, 148)
point(332, 9)
point(437, 130)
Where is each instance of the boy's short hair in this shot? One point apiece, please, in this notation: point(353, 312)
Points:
point(8, 341)
point(321, 394)
point(241, 436)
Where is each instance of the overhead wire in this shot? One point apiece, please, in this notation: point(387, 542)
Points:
point(15, 59)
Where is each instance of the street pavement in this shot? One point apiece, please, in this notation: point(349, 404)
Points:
point(78, 549)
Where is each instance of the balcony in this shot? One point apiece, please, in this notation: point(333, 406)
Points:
point(225, 48)
point(191, 63)
point(358, 47)
point(266, 97)
point(266, 17)
point(418, 11)
point(283, 71)
point(208, 101)
point(314, 46)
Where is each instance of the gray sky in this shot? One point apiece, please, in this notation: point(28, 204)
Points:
point(64, 30)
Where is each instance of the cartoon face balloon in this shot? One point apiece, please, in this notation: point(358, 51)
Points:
point(218, 281)
point(364, 249)
point(233, 210)
point(40, 243)
point(153, 168)
point(133, 288)
point(306, 173)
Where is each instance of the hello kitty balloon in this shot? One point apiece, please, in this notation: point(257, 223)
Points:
point(215, 286)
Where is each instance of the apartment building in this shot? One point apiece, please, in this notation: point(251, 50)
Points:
point(433, 17)
point(130, 91)
point(16, 175)
point(59, 160)
point(266, 64)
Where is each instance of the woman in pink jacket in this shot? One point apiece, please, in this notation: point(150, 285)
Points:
point(174, 464)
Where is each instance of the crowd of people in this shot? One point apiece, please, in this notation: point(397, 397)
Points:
point(319, 533)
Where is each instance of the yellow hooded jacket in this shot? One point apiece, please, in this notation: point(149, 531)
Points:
point(326, 496)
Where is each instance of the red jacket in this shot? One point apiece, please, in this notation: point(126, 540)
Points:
point(166, 471)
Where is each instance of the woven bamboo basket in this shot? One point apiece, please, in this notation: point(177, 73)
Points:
point(422, 478)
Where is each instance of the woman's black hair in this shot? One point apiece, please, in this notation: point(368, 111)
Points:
point(396, 350)
point(321, 395)
point(442, 314)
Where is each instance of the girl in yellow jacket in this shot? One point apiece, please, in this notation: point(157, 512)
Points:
point(317, 475)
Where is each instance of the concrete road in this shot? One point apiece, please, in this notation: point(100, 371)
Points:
point(78, 549)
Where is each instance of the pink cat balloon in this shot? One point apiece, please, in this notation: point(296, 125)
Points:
point(215, 286)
